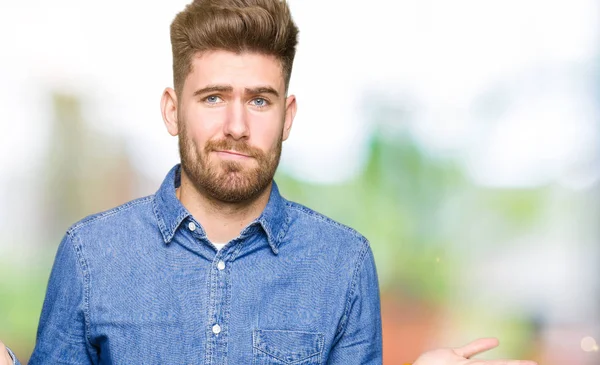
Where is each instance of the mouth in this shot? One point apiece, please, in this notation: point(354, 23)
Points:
point(231, 154)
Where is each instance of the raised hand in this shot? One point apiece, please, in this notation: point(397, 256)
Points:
point(5, 358)
point(462, 355)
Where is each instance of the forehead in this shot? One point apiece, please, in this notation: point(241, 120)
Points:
point(238, 70)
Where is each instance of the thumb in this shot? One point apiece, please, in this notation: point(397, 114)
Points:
point(476, 347)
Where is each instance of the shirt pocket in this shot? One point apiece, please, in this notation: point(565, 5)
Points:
point(274, 347)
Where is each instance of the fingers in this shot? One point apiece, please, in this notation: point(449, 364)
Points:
point(505, 362)
point(5, 358)
point(485, 344)
point(478, 346)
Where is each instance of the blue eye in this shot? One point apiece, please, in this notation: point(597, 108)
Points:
point(213, 99)
point(260, 102)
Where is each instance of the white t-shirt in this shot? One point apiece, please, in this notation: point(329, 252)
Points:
point(219, 246)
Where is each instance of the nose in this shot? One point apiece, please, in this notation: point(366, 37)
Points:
point(236, 122)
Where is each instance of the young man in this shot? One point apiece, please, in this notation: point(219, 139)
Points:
point(217, 267)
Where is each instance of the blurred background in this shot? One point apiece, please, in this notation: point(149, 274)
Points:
point(461, 137)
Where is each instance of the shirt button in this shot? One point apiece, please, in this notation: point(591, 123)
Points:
point(221, 265)
point(192, 226)
point(216, 329)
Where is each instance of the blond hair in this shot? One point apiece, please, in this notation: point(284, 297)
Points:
point(258, 26)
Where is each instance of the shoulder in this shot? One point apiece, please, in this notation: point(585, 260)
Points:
point(130, 213)
point(315, 226)
point(343, 250)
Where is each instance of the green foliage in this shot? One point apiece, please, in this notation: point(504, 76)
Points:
point(22, 290)
point(416, 210)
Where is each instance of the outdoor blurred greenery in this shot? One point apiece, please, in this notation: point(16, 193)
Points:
point(22, 290)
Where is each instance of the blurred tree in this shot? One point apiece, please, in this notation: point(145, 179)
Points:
point(86, 171)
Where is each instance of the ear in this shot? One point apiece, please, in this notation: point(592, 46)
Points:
point(290, 114)
point(168, 106)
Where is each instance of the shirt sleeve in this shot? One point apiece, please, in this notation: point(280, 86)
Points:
point(360, 340)
point(62, 331)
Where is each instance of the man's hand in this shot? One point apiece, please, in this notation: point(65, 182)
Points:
point(462, 355)
point(5, 358)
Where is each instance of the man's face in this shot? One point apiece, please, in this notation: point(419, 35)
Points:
point(232, 117)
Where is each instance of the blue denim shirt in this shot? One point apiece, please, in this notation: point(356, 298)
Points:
point(142, 284)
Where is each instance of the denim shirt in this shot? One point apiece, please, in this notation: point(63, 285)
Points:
point(142, 284)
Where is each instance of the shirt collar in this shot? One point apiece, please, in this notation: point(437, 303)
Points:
point(168, 209)
point(275, 219)
point(169, 212)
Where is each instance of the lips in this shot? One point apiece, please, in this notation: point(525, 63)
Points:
point(232, 153)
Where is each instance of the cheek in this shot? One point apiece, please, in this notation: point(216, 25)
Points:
point(266, 134)
point(202, 126)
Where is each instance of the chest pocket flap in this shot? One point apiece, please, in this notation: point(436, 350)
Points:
point(288, 347)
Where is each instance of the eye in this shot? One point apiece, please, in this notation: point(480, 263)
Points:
point(260, 102)
point(213, 99)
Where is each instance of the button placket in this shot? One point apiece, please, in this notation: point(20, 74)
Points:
point(216, 328)
point(220, 266)
point(219, 304)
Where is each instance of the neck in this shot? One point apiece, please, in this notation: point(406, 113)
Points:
point(222, 221)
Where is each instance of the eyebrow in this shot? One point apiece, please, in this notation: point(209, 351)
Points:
point(213, 88)
point(262, 90)
point(228, 89)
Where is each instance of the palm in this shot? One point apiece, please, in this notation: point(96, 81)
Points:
point(462, 355)
point(5, 358)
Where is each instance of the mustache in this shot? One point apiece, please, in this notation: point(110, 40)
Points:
point(232, 145)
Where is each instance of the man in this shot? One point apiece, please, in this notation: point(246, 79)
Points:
point(217, 267)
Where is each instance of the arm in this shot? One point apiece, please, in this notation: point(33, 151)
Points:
point(359, 339)
point(62, 331)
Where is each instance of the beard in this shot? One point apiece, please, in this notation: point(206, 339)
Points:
point(227, 181)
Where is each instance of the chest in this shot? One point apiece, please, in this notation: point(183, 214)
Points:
point(245, 309)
